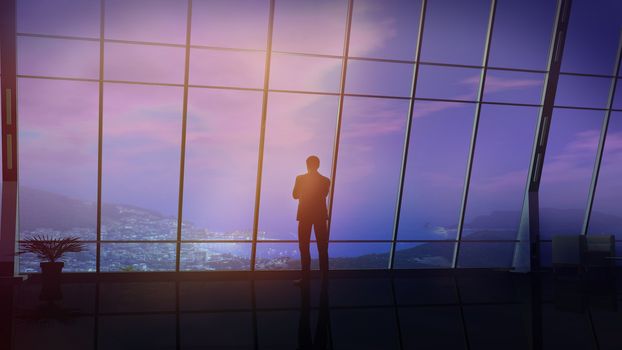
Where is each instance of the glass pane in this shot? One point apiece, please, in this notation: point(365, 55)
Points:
point(522, 34)
point(379, 78)
point(215, 256)
point(385, 29)
point(357, 256)
point(74, 262)
point(140, 175)
point(281, 256)
point(577, 91)
point(57, 57)
point(424, 255)
point(144, 63)
point(500, 169)
point(58, 17)
point(455, 31)
point(567, 171)
point(310, 27)
point(222, 140)
point(448, 83)
point(435, 170)
point(147, 20)
point(231, 23)
point(489, 255)
point(58, 157)
point(136, 257)
point(348, 256)
point(227, 68)
point(513, 87)
point(607, 211)
point(593, 37)
point(368, 168)
point(297, 126)
point(301, 73)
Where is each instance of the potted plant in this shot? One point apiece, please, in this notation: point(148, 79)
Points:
point(50, 250)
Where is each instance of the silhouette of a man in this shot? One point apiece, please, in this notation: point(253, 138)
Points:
point(311, 190)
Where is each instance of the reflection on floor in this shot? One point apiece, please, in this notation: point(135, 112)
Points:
point(413, 310)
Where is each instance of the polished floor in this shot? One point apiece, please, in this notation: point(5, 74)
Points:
point(362, 310)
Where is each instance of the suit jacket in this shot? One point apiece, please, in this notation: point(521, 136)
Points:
point(311, 190)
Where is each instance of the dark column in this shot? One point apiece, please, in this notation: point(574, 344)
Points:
point(9, 138)
point(527, 251)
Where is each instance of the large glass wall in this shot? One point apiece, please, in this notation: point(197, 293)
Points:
point(168, 134)
point(578, 193)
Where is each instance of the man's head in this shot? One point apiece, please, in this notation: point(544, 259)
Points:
point(313, 163)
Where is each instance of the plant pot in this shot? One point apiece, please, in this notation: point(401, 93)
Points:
point(51, 269)
point(50, 278)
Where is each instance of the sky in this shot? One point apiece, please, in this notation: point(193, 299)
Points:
point(142, 123)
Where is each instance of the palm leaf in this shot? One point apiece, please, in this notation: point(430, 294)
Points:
point(49, 248)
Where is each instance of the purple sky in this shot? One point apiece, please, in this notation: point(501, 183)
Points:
point(142, 124)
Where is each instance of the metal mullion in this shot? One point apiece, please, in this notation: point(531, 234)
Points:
point(307, 54)
point(342, 86)
point(451, 65)
point(304, 92)
point(530, 221)
point(443, 100)
point(214, 241)
point(222, 48)
point(580, 108)
point(519, 70)
point(184, 122)
point(52, 36)
point(143, 43)
point(478, 110)
point(129, 82)
point(602, 140)
point(383, 60)
point(218, 87)
point(262, 132)
point(589, 75)
point(56, 78)
point(413, 91)
point(378, 96)
point(100, 136)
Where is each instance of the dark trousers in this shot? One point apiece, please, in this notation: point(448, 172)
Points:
point(304, 240)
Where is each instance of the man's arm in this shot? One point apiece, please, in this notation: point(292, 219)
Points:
point(296, 191)
point(326, 188)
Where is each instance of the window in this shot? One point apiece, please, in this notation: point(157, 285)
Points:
point(297, 126)
point(316, 27)
point(385, 29)
point(455, 31)
point(522, 34)
point(500, 170)
point(220, 170)
point(58, 164)
point(57, 58)
point(567, 171)
point(161, 21)
point(178, 196)
point(607, 210)
point(63, 17)
point(435, 170)
point(368, 168)
point(140, 160)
